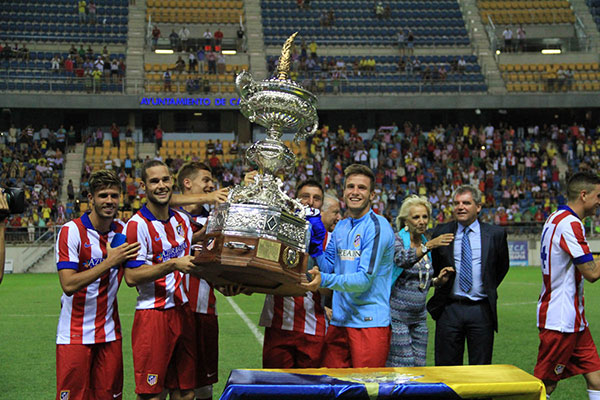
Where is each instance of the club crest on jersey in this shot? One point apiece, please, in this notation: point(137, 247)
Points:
point(179, 230)
point(210, 243)
point(559, 369)
point(152, 379)
point(357, 241)
point(64, 394)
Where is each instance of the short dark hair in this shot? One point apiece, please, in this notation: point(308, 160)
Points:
point(581, 181)
point(149, 164)
point(309, 182)
point(359, 169)
point(103, 179)
point(189, 171)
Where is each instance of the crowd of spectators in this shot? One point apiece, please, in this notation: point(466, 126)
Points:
point(33, 160)
point(519, 171)
point(18, 52)
point(516, 169)
point(83, 63)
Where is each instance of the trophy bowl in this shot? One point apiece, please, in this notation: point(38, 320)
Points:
point(259, 238)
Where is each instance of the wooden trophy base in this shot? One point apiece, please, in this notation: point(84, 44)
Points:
point(260, 265)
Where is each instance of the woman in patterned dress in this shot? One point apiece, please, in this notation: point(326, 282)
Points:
point(411, 281)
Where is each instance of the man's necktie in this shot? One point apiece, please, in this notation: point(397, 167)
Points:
point(466, 263)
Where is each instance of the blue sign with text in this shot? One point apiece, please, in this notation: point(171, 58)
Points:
point(518, 252)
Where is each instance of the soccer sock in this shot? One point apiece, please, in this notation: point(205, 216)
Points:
point(593, 394)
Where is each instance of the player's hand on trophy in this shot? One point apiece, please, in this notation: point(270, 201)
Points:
point(328, 313)
point(118, 255)
point(233, 290)
point(218, 196)
point(249, 177)
point(315, 281)
point(185, 264)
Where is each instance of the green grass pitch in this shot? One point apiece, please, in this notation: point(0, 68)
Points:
point(29, 307)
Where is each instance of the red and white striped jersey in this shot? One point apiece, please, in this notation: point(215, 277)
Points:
point(90, 315)
point(563, 247)
point(299, 314)
point(160, 241)
point(200, 293)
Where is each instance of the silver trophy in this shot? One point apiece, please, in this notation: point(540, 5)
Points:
point(261, 229)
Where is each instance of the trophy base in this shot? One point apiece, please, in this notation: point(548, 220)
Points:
point(260, 265)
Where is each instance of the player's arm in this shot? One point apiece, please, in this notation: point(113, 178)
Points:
point(590, 269)
point(72, 280)
point(137, 273)
point(372, 250)
point(216, 197)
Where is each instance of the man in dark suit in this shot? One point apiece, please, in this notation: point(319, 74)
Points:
point(465, 307)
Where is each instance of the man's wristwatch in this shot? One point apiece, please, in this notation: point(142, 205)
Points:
point(424, 249)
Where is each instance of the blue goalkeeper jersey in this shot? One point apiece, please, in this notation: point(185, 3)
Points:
point(357, 265)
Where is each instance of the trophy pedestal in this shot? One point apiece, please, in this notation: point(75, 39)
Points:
point(260, 265)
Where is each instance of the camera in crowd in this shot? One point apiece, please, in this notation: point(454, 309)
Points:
point(15, 197)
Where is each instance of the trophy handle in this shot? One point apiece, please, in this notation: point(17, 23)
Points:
point(304, 133)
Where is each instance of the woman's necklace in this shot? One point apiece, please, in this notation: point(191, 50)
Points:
point(427, 268)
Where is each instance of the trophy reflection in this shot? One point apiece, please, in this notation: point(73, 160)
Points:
point(259, 238)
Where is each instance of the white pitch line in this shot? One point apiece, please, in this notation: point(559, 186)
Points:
point(518, 304)
point(257, 334)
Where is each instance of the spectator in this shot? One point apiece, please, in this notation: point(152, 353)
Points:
point(507, 34)
point(240, 39)
point(155, 36)
point(521, 45)
point(91, 10)
point(179, 65)
point(55, 63)
point(115, 132)
point(158, 137)
point(379, 10)
point(174, 40)
point(81, 8)
point(218, 35)
point(184, 35)
point(410, 43)
point(208, 36)
point(220, 63)
point(167, 81)
point(401, 40)
point(192, 63)
point(114, 71)
point(211, 58)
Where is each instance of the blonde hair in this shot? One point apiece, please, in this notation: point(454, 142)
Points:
point(407, 204)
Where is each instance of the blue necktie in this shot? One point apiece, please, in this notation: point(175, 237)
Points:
point(466, 263)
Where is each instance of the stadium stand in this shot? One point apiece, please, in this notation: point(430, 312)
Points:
point(527, 12)
point(551, 77)
point(391, 74)
point(58, 21)
point(195, 11)
point(433, 23)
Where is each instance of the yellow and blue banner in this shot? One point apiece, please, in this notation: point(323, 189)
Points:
point(504, 382)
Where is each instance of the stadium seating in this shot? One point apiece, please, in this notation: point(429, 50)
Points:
point(546, 77)
point(594, 6)
point(433, 23)
point(526, 12)
point(388, 78)
point(195, 11)
point(219, 83)
point(58, 21)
